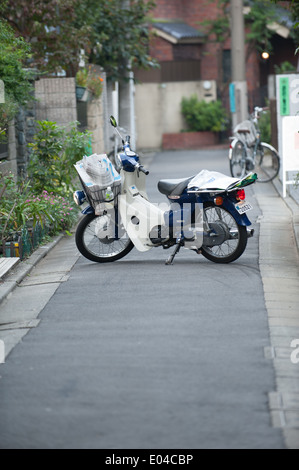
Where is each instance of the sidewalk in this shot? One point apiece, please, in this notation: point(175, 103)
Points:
point(279, 266)
point(12, 274)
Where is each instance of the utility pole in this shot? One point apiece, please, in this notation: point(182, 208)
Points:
point(126, 97)
point(238, 88)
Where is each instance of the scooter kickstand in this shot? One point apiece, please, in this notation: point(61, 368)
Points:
point(175, 251)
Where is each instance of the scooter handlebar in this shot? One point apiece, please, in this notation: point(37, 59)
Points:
point(141, 168)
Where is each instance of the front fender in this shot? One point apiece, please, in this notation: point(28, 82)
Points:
point(241, 219)
point(88, 210)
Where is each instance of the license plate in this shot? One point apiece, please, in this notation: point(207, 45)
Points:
point(243, 207)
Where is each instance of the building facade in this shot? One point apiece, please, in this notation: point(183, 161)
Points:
point(190, 60)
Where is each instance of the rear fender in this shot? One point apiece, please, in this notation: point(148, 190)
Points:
point(241, 219)
point(231, 147)
point(270, 147)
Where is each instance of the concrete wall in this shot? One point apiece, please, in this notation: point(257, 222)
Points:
point(158, 109)
point(95, 124)
point(56, 100)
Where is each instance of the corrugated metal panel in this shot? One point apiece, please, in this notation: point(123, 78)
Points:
point(172, 71)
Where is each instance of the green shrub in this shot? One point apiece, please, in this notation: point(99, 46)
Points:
point(203, 116)
point(265, 126)
point(45, 199)
point(20, 208)
point(14, 53)
point(54, 152)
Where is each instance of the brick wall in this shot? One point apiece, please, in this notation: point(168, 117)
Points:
point(191, 12)
point(161, 49)
point(189, 140)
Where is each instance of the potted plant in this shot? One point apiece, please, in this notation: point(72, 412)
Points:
point(94, 82)
point(89, 84)
point(81, 84)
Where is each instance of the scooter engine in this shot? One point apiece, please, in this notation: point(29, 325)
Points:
point(159, 234)
point(219, 232)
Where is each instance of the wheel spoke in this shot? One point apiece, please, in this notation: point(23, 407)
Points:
point(94, 238)
point(230, 245)
point(103, 247)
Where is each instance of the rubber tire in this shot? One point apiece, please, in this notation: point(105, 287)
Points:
point(87, 254)
point(276, 157)
point(238, 251)
point(231, 166)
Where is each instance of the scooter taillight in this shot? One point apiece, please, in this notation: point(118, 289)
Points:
point(240, 195)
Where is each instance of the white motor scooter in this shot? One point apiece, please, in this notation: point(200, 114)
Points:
point(205, 213)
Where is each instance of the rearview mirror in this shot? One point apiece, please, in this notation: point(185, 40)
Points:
point(113, 121)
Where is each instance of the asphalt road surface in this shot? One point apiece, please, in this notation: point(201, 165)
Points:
point(139, 355)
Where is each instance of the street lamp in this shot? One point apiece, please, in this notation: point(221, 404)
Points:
point(265, 55)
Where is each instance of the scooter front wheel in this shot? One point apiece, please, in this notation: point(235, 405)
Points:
point(102, 240)
point(235, 239)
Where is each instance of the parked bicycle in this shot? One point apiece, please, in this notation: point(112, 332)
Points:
point(248, 153)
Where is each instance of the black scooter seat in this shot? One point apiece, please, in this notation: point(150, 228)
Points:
point(173, 187)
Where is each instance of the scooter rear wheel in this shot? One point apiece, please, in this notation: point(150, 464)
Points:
point(236, 242)
point(97, 249)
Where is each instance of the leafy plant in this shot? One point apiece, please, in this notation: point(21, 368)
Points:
point(119, 36)
point(265, 126)
point(14, 53)
point(90, 79)
point(94, 83)
point(20, 209)
point(204, 116)
point(61, 214)
point(284, 67)
point(52, 30)
point(54, 152)
point(15, 211)
point(258, 15)
point(112, 33)
point(81, 77)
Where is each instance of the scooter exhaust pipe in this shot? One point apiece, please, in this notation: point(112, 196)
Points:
point(250, 232)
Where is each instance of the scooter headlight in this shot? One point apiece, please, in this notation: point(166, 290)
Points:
point(118, 162)
point(79, 197)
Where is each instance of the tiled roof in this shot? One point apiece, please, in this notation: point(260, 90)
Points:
point(179, 31)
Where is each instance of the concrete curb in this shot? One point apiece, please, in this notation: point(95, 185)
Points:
point(15, 276)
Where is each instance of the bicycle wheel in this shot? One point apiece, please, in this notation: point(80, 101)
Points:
point(237, 160)
point(100, 239)
point(267, 163)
